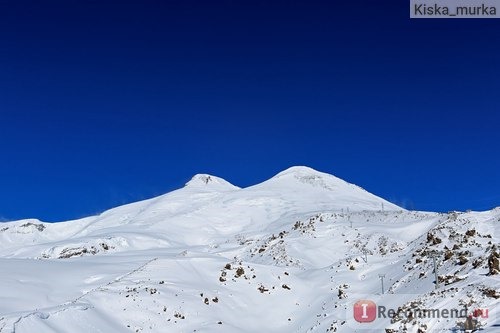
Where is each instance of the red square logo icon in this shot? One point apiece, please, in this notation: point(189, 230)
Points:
point(365, 311)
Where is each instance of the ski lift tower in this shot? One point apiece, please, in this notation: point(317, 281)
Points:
point(382, 276)
point(435, 254)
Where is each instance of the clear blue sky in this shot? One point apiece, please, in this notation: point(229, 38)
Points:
point(104, 103)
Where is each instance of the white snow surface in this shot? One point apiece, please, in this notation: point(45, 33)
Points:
point(291, 254)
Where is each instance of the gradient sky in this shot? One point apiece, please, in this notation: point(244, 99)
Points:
point(104, 103)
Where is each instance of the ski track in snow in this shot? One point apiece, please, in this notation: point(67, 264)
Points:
point(74, 304)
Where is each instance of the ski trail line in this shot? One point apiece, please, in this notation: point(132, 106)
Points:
point(72, 304)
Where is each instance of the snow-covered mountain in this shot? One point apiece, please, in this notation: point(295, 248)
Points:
point(291, 254)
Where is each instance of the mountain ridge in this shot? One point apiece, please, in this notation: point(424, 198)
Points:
point(290, 254)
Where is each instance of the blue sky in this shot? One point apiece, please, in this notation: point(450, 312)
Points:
point(104, 103)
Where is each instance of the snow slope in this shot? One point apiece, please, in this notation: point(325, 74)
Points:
point(292, 254)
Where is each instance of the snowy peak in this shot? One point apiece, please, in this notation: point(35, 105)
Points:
point(298, 170)
point(308, 175)
point(319, 187)
point(206, 181)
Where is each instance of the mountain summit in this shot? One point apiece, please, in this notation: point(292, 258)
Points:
point(202, 180)
point(309, 187)
point(311, 176)
point(302, 187)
